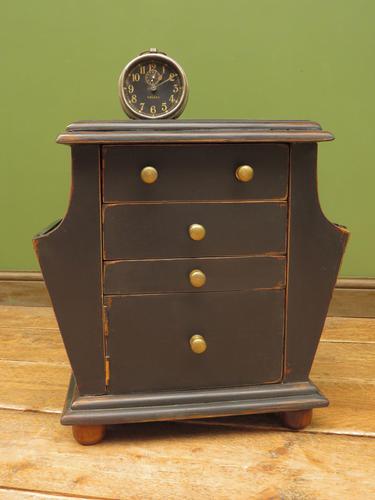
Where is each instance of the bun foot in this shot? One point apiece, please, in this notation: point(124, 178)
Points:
point(297, 420)
point(88, 434)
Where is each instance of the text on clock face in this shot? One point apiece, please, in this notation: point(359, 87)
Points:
point(153, 88)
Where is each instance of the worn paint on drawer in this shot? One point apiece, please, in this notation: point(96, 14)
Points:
point(149, 340)
point(172, 275)
point(195, 172)
point(138, 231)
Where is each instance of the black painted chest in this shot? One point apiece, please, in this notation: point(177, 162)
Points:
point(192, 273)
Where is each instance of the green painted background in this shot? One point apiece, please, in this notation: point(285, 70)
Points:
point(290, 59)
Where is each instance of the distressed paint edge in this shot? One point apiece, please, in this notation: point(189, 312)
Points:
point(115, 137)
point(352, 297)
point(279, 398)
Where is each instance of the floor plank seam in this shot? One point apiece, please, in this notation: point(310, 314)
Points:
point(329, 341)
point(54, 493)
point(228, 425)
point(36, 362)
point(281, 429)
point(30, 328)
point(21, 409)
point(342, 380)
point(344, 368)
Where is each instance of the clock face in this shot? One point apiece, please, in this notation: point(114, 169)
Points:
point(153, 86)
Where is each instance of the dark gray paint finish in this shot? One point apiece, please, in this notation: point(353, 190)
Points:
point(223, 274)
point(70, 260)
point(194, 396)
point(316, 247)
point(141, 231)
point(149, 340)
point(194, 125)
point(188, 404)
point(195, 172)
point(195, 131)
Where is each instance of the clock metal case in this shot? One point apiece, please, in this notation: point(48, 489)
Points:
point(173, 113)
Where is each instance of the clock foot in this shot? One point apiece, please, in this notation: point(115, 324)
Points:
point(88, 434)
point(297, 420)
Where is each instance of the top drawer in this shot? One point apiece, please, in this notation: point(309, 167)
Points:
point(195, 172)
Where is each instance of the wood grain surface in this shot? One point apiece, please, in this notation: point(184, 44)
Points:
point(249, 457)
point(12, 493)
point(188, 461)
point(26, 293)
point(355, 302)
point(349, 330)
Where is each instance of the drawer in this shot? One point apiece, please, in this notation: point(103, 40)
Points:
point(149, 340)
point(173, 275)
point(138, 231)
point(195, 172)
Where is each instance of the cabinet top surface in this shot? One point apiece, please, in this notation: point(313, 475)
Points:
point(184, 131)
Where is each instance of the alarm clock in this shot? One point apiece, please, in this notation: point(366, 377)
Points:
point(153, 86)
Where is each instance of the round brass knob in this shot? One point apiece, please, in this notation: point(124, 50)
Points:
point(244, 173)
point(149, 175)
point(197, 232)
point(198, 344)
point(197, 278)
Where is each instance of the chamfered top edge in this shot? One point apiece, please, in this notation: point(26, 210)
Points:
point(129, 125)
point(185, 131)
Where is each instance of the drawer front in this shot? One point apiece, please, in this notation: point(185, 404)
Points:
point(195, 172)
point(137, 231)
point(232, 273)
point(149, 340)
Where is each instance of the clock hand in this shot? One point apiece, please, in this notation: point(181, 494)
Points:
point(154, 86)
point(152, 77)
point(164, 81)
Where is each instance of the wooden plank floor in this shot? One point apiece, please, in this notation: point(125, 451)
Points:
point(248, 457)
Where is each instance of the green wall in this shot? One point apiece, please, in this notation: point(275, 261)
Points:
point(290, 59)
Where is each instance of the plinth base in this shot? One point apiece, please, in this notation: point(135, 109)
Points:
point(294, 401)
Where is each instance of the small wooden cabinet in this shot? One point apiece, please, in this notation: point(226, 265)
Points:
point(192, 273)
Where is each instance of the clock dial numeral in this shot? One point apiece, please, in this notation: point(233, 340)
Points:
point(153, 88)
